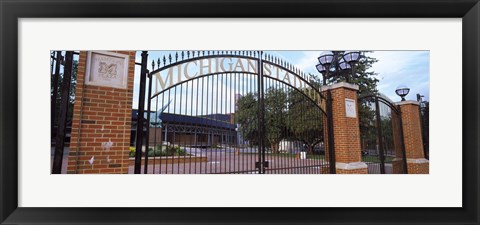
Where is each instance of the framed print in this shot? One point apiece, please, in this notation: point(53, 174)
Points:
point(198, 112)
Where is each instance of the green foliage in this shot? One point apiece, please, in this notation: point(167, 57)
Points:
point(364, 77)
point(275, 102)
point(287, 113)
point(73, 87)
point(132, 152)
point(305, 120)
point(170, 150)
point(162, 150)
point(246, 116)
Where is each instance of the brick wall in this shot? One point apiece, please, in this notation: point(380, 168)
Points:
point(101, 114)
point(412, 137)
point(355, 171)
point(418, 168)
point(412, 132)
point(346, 130)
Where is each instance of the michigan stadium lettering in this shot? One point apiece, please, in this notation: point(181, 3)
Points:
point(173, 75)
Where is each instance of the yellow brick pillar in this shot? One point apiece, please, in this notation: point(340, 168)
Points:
point(346, 130)
point(412, 138)
point(102, 113)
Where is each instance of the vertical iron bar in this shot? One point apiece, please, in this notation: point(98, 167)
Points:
point(404, 154)
point(331, 142)
point(53, 102)
point(62, 120)
point(145, 170)
point(155, 133)
point(141, 105)
point(380, 136)
point(174, 129)
point(261, 108)
point(196, 134)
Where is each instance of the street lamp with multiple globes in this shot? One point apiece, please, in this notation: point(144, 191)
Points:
point(338, 63)
point(402, 91)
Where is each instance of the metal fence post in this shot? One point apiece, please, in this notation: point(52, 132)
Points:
point(141, 105)
point(62, 117)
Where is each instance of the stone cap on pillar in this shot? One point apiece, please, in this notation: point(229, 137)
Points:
point(340, 85)
point(408, 102)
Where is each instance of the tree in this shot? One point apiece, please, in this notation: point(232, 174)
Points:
point(275, 116)
point(367, 83)
point(365, 79)
point(275, 103)
point(73, 88)
point(246, 117)
point(305, 120)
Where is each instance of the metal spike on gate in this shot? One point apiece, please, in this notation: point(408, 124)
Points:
point(176, 56)
point(164, 61)
point(254, 53)
point(158, 62)
point(169, 58)
point(193, 54)
point(203, 53)
point(153, 64)
point(183, 55)
point(188, 54)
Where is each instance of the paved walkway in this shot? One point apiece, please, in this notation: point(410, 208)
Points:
point(64, 161)
point(229, 161)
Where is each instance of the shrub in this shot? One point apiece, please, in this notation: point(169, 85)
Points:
point(179, 151)
point(132, 152)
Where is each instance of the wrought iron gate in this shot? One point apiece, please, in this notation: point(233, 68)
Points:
point(381, 135)
point(238, 112)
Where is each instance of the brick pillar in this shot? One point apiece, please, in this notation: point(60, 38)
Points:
point(412, 138)
point(100, 138)
point(346, 130)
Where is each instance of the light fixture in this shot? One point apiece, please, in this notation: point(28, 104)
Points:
point(337, 64)
point(402, 91)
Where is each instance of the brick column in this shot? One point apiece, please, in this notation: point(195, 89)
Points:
point(101, 123)
point(346, 130)
point(412, 138)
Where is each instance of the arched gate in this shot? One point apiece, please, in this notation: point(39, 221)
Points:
point(232, 112)
point(381, 135)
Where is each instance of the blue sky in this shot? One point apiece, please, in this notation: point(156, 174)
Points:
point(394, 68)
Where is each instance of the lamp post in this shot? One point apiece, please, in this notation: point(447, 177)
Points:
point(402, 91)
point(333, 64)
point(338, 63)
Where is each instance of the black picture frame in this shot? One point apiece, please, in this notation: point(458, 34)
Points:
point(12, 10)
